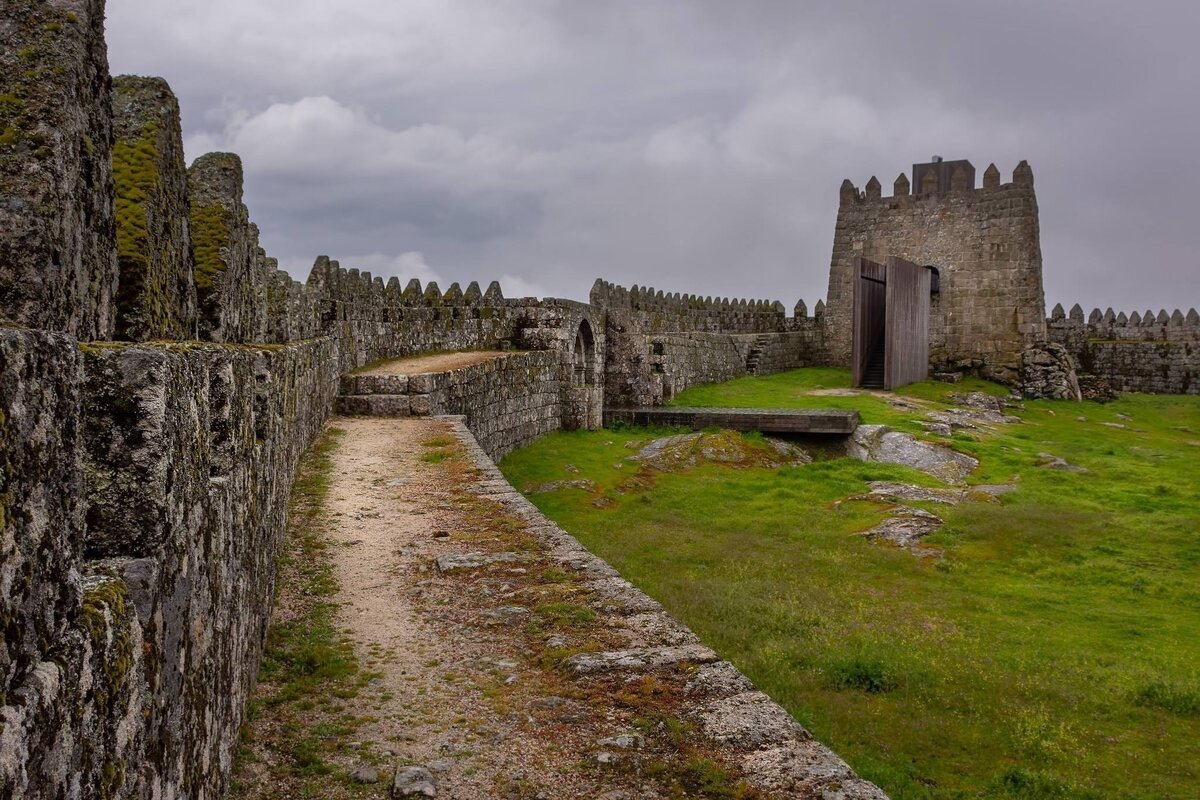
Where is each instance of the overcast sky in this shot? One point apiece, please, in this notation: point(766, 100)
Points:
point(694, 146)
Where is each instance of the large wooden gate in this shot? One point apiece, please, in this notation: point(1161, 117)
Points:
point(891, 323)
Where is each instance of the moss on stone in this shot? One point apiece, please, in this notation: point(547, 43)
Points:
point(136, 176)
point(135, 173)
point(99, 601)
point(210, 236)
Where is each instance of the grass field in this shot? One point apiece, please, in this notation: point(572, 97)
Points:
point(1053, 651)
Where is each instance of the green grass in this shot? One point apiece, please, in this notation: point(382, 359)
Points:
point(1051, 653)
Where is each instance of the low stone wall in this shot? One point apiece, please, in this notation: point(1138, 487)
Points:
point(507, 401)
point(680, 360)
point(743, 725)
point(802, 347)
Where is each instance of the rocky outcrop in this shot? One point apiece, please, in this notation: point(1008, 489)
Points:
point(58, 268)
point(156, 294)
point(881, 443)
point(1048, 371)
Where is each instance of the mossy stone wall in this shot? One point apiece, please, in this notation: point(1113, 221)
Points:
point(156, 294)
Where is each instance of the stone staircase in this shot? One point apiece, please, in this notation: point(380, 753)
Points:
point(755, 355)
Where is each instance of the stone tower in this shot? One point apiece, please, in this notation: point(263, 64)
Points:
point(984, 243)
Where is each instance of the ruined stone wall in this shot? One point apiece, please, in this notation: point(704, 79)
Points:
point(985, 244)
point(1138, 352)
point(58, 265)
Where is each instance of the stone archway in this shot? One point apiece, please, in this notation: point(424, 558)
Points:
point(583, 356)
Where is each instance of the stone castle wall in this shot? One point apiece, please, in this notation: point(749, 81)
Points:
point(1137, 352)
point(58, 261)
point(659, 344)
point(145, 482)
point(985, 243)
point(156, 290)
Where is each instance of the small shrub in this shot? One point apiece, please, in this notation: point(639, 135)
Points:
point(864, 674)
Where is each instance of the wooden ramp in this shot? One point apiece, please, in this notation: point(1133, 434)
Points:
point(820, 421)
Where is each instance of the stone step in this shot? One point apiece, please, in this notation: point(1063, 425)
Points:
point(380, 405)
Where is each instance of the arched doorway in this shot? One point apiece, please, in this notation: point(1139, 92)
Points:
point(583, 356)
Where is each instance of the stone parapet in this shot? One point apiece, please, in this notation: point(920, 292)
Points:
point(58, 260)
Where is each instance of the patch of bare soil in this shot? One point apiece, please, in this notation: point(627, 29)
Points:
point(436, 362)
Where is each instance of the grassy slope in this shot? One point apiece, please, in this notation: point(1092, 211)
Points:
point(1053, 652)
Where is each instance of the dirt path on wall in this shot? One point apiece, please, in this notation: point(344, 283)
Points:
point(496, 658)
point(437, 362)
point(452, 690)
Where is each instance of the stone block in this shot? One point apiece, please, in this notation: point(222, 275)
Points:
point(421, 405)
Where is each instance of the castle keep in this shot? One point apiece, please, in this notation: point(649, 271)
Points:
point(983, 242)
point(160, 378)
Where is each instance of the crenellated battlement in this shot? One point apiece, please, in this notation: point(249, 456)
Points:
point(689, 312)
point(1163, 326)
point(938, 181)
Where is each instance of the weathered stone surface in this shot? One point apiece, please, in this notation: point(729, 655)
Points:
point(456, 562)
point(156, 293)
point(805, 768)
point(986, 245)
point(190, 454)
point(905, 527)
point(41, 497)
point(647, 658)
point(230, 283)
point(880, 443)
point(58, 268)
point(718, 679)
point(749, 720)
point(1048, 371)
point(908, 493)
point(413, 782)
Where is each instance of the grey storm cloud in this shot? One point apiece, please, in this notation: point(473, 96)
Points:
point(695, 146)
